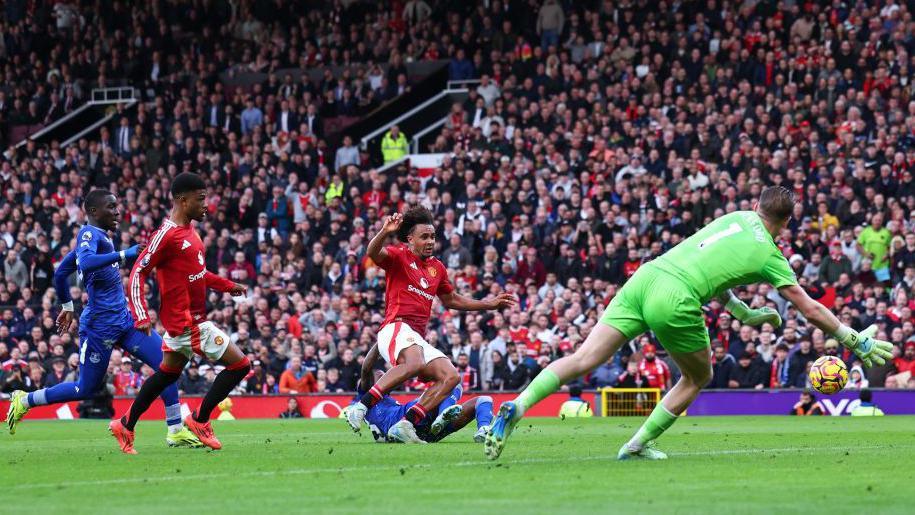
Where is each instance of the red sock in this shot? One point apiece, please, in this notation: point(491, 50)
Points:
point(415, 414)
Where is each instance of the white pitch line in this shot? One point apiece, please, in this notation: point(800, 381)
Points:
point(481, 462)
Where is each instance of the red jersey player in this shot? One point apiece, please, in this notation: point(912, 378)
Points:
point(176, 252)
point(413, 279)
point(656, 371)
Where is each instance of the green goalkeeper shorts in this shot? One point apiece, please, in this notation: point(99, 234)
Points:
point(656, 300)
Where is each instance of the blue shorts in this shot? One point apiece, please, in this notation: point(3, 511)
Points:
point(95, 351)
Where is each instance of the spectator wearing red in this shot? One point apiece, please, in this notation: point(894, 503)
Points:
point(906, 362)
point(126, 381)
point(470, 378)
point(655, 370)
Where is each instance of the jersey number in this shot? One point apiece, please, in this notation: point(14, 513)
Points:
point(732, 229)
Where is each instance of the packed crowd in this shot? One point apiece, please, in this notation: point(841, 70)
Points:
point(600, 135)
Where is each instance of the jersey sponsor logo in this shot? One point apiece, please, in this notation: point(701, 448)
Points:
point(200, 257)
point(419, 292)
point(432, 271)
point(197, 276)
point(424, 283)
point(413, 266)
point(87, 235)
point(185, 244)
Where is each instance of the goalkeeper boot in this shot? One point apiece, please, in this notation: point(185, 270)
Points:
point(355, 415)
point(480, 435)
point(500, 430)
point(646, 452)
point(404, 432)
point(183, 438)
point(444, 418)
point(18, 408)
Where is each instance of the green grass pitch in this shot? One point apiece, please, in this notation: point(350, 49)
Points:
point(729, 465)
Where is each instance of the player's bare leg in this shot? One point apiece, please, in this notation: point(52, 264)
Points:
point(696, 370)
point(237, 367)
point(445, 378)
point(602, 342)
point(478, 409)
point(410, 363)
point(169, 372)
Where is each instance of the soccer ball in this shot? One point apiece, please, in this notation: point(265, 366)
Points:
point(828, 375)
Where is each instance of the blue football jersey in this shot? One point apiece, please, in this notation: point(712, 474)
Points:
point(107, 303)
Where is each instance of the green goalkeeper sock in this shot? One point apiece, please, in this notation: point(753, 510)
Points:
point(659, 421)
point(544, 384)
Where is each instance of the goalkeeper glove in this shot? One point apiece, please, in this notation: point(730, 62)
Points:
point(754, 317)
point(869, 350)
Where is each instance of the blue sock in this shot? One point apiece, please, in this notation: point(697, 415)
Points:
point(452, 399)
point(62, 392)
point(484, 411)
point(173, 416)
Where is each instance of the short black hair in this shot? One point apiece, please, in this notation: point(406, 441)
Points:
point(95, 198)
point(414, 216)
point(186, 182)
point(575, 390)
point(866, 395)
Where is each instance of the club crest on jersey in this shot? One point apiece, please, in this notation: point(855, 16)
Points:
point(424, 283)
point(413, 266)
point(200, 257)
point(95, 357)
point(432, 271)
point(219, 340)
point(185, 244)
point(87, 235)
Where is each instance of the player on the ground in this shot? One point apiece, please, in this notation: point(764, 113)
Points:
point(104, 323)
point(176, 253)
point(666, 296)
point(413, 279)
point(388, 412)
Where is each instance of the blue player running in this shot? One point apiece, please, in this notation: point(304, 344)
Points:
point(104, 323)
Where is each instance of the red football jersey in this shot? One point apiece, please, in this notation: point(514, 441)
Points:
point(656, 372)
point(411, 285)
point(176, 252)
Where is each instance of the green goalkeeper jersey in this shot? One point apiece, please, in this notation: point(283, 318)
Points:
point(733, 250)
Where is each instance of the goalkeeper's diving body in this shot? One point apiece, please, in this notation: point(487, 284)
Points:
point(666, 296)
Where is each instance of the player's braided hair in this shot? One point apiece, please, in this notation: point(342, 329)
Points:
point(414, 216)
point(776, 203)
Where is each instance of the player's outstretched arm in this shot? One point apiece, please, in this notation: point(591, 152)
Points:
point(367, 374)
point(869, 350)
point(66, 268)
point(221, 284)
point(375, 249)
point(89, 261)
point(452, 300)
point(746, 314)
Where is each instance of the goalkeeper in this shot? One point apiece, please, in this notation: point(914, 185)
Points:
point(666, 296)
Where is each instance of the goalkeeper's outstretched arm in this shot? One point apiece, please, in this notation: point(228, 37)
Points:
point(870, 350)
